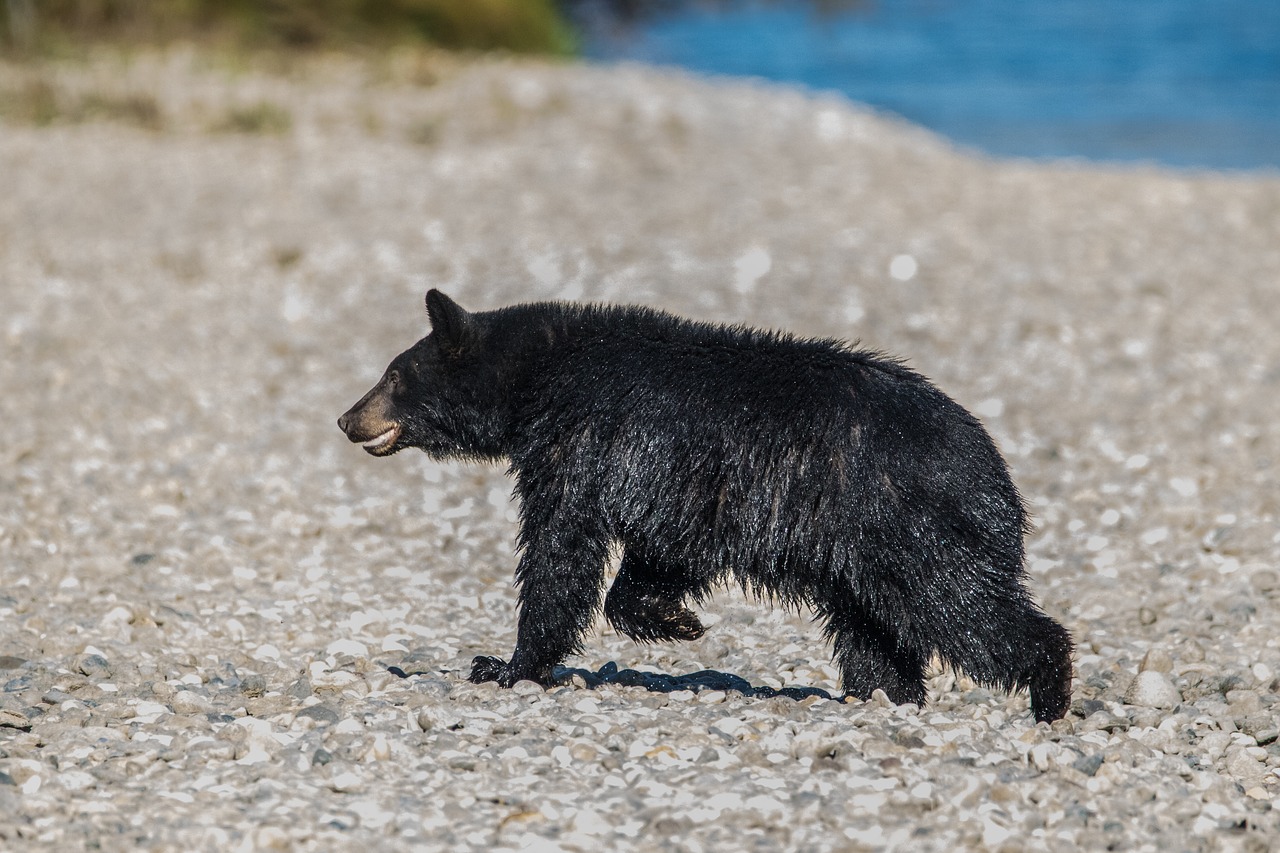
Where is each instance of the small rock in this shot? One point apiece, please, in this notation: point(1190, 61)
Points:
point(1144, 718)
point(189, 703)
point(1042, 755)
point(1088, 764)
point(14, 720)
point(300, 689)
point(94, 666)
point(1064, 726)
point(908, 740)
point(1264, 736)
point(271, 838)
point(76, 780)
point(1156, 660)
point(347, 647)
point(1153, 689)
point(320, 713)
point(380, 750)
point(1244, 767)
point(346, 783)
point(1265, 580)
point(10, 662)
point(254, 685)
point(335, 680)
point(433, 687)
point(1192, 652)
point(435, 718)
point(1244, 702)
point(267, 706)
point(525, 687)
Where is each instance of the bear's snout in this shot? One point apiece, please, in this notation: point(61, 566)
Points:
point(370, 423)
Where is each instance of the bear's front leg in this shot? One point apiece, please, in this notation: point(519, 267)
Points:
point(560, 582)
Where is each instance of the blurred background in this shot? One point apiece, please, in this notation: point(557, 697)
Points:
point(1179, 82)
point(1183, 83)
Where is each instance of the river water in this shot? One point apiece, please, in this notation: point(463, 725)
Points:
point(1188, 83)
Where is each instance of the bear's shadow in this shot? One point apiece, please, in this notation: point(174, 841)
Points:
point(706, 679)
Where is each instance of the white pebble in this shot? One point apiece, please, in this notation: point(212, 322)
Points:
point(591, 822)
point(1152, 689)
point(380, 750)
point(903, 267)
point(347, 647)
point(750, 267)
point(346, 782)
point(1155, 536)
point(989, 408)
point(188, 703)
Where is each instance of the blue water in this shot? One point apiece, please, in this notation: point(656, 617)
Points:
point(1187, 83)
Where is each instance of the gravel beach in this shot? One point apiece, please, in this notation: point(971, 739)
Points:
point(222, 627)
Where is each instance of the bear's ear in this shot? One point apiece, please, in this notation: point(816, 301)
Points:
point(455, 327)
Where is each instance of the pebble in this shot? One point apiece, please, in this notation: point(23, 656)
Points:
point(1156, 660)
point(1244, 767)
point(189, 702)
point(94, 666)
point(13, 719)
point(346, 782)
point(354, 648)
point(253, 685)
point(1152, 689)
point(320, 713)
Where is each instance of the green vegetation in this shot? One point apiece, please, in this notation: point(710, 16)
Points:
point(262, 117)
point(525, 26)
point(39, 102)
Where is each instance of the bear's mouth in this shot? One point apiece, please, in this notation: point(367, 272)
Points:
point(383, 444)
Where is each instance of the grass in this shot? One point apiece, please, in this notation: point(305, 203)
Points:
point(36, 101)
point(262, 117)
point(67, 26)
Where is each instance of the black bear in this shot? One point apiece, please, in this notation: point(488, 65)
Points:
point(806, 471)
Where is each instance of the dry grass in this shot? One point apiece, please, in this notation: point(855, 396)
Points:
point(39, 100)
point(522, 26)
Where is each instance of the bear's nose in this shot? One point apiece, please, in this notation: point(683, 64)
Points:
point(343, 421)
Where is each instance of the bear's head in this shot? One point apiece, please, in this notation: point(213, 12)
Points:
point(443, 395)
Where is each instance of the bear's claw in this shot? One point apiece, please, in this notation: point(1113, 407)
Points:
point(651, 618)
point(485, 668)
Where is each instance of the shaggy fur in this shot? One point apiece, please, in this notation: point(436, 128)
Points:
point(805, 471)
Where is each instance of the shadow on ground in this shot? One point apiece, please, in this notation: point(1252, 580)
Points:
point(704, 679)
point(661, 682)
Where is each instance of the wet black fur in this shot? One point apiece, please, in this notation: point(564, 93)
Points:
point(803, 470)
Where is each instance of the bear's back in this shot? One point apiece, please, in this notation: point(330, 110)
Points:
point(605, 358)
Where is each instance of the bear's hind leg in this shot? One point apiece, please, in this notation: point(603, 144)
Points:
point(1010, 643)
point(646, 602)
point(871, 657)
